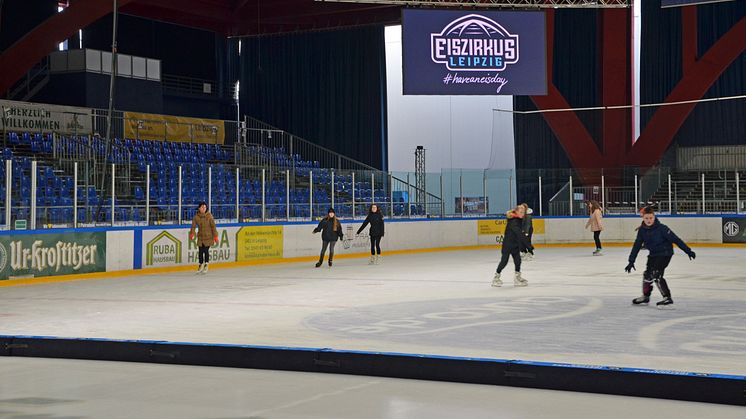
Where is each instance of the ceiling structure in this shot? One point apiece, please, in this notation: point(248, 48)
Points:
point(262, 17)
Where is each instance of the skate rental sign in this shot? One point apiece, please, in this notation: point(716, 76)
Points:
point(449, 52)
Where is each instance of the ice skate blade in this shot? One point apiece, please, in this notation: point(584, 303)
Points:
point(497, 284)
point(666, 307)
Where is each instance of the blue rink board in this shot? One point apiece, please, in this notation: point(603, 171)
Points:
point(624, 381)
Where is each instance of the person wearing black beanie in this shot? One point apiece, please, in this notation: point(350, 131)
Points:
point(331, 231)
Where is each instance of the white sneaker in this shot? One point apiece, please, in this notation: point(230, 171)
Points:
point(496, 282)
point(372, 260)
point(204, 270)
point(518, 281)
point(199, 270)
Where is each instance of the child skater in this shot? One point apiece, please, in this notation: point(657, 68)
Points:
point(375, 219)
point(528, 230)
point(207, 235)
point(658, 239)
point(513, 240)
point(595, 222)
point(331, 231)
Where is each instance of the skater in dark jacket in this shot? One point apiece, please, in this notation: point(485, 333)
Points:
point(375, 219)
point(527, 227)
point(513, 241)
point(658, 239)
point(331, 231)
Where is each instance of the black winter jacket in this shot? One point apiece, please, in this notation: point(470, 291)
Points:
point(375, 219)
point(658, 239)
point(326, 226)
point(514, 237)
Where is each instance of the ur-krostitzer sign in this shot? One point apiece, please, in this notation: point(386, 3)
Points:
point(52, 254)
point(474, 53)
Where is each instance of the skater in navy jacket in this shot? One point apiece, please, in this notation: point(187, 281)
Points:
point(658, 239)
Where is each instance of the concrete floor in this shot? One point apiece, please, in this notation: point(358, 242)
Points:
point(53, 388)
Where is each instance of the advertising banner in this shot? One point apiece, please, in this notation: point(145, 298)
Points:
point(172, 247)
point(452, 52)
point(260, 242)
point(496, 229)
point(52, 254)
point(43, 118)
point(734, 230)
point(472, 205)
point(148, 126)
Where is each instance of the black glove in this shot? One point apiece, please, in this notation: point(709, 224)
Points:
point(314, 231)
point(630, 267)
point(692, 255)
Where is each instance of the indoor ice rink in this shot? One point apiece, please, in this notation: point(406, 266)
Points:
point(171, 169)
point(576, 309)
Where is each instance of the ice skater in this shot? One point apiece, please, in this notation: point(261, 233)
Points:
point(595, 222)
point(375, 219)
point(658, 239)
point(513, 241)
point(331, 231)
point(528, 230)
point(207, 235)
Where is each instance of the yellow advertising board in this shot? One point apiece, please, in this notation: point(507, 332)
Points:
point(149, 126)
point(260, 242)
point(497, 227)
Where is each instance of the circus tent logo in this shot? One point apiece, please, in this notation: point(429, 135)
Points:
point(474, 43)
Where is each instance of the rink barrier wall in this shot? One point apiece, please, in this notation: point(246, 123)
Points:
point(167, 248)
point(634, 382)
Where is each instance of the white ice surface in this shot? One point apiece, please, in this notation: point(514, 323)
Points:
point(576, 309)
point(47, 388)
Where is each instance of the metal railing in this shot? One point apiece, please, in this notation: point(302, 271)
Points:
point(669, 191)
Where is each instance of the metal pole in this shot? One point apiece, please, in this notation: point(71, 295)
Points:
point(109, 116)
point(310, 193)
point(75, 195)
point(603, 193)
point(8, 192)
point(238, 196)
point(572, 197)
point(353, 195)
point(484, 191)
point(33, 195)
point(738, 193)
point(209, 188)
point(703, 194)
point(442, 199)
point(287, 194)
point(541, 202)
point(264, 194)
point(461, 191)
point(373, 187)
point(113, 192)
point(637, 200)
point(670, 209)
point(391, 195)
point(510, 187)
point(332, 189)
point(147, 194)
point(409, 198)
point(179, 194)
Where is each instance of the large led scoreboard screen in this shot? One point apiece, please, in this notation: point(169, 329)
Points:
point(474, 53)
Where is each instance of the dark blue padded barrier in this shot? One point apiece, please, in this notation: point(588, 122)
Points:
point(674, 385)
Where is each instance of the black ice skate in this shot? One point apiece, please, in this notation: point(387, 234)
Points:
point(318, 264)
point(667, 301)
point(643, 299)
